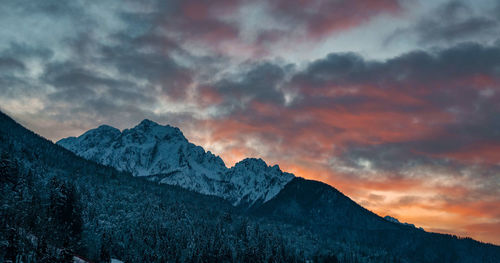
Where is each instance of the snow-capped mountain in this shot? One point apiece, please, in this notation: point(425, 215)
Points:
point(163, 154)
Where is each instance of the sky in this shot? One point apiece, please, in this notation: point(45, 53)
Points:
point(396, 103)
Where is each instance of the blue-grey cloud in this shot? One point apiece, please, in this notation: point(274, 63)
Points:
point(453, 22)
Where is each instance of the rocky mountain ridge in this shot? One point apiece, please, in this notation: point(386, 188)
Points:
point(163, 154)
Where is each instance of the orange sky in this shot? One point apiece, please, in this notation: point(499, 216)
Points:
point(441, 192)
point(430, 205)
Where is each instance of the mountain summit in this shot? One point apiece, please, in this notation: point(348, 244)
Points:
point(162, 154)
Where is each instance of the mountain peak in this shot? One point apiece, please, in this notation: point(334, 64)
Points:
point(162, 153)
point(256, 173)
point(103, 132)
point(105, 127)
point(148, 123)
point(157, 131)
point(258, 162)
point(257, 165)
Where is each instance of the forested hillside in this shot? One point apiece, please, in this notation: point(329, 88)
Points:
point(56, 205)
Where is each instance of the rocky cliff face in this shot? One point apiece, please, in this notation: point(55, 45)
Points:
point(163, 154)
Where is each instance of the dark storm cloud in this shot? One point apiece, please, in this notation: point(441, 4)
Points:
point(155, 68)
point(260, 83)
point(79, 85)
point(147, 65)
point(458, 61)
point(90, 110)
point(417, 67)
point(385, 157)
point(452, 22)
point(209, 23)
point(395, 158)
point(435, 30)
point(190, 21)
point(12, 82)
point(49, 7)
point(25, 51)
point(320, 18)
point(67, 74)
point(10, 64)
point(335, 68)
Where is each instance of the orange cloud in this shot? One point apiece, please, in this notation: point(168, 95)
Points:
point(487, 153)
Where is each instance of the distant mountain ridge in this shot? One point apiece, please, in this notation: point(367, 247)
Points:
point(163, 154)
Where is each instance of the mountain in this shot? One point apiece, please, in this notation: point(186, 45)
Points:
point(304, 201)
point(327, 213)
point(164, 155)
point(58, 207)
point(116, 215)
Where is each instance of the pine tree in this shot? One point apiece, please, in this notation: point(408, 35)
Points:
point(65, 216)
point(104, 255)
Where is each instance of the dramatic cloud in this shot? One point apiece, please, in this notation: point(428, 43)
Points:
point(414, 133)
point(319, 18)
point(454, 21)
point(424, 123)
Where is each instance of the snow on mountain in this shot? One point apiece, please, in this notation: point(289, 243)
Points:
point(253, 180)
point(163, 154)
point(395, 220)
